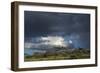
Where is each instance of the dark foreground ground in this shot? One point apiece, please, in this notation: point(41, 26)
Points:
point(59, 55)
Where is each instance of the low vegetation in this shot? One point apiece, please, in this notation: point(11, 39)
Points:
point(62, 54)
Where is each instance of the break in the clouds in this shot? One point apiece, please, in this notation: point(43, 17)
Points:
point(57, 28)
point(46, 41)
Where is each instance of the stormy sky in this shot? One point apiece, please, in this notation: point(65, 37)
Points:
point(72, 27)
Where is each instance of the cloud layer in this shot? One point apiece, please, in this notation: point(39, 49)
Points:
point(67, 26)
point(46, 41)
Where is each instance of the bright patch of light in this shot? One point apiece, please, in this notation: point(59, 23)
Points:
point(54, 40)
point(70, 41)
point(47, 41)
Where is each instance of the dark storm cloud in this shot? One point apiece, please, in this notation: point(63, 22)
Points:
point(60, 24)
point(45, 23)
